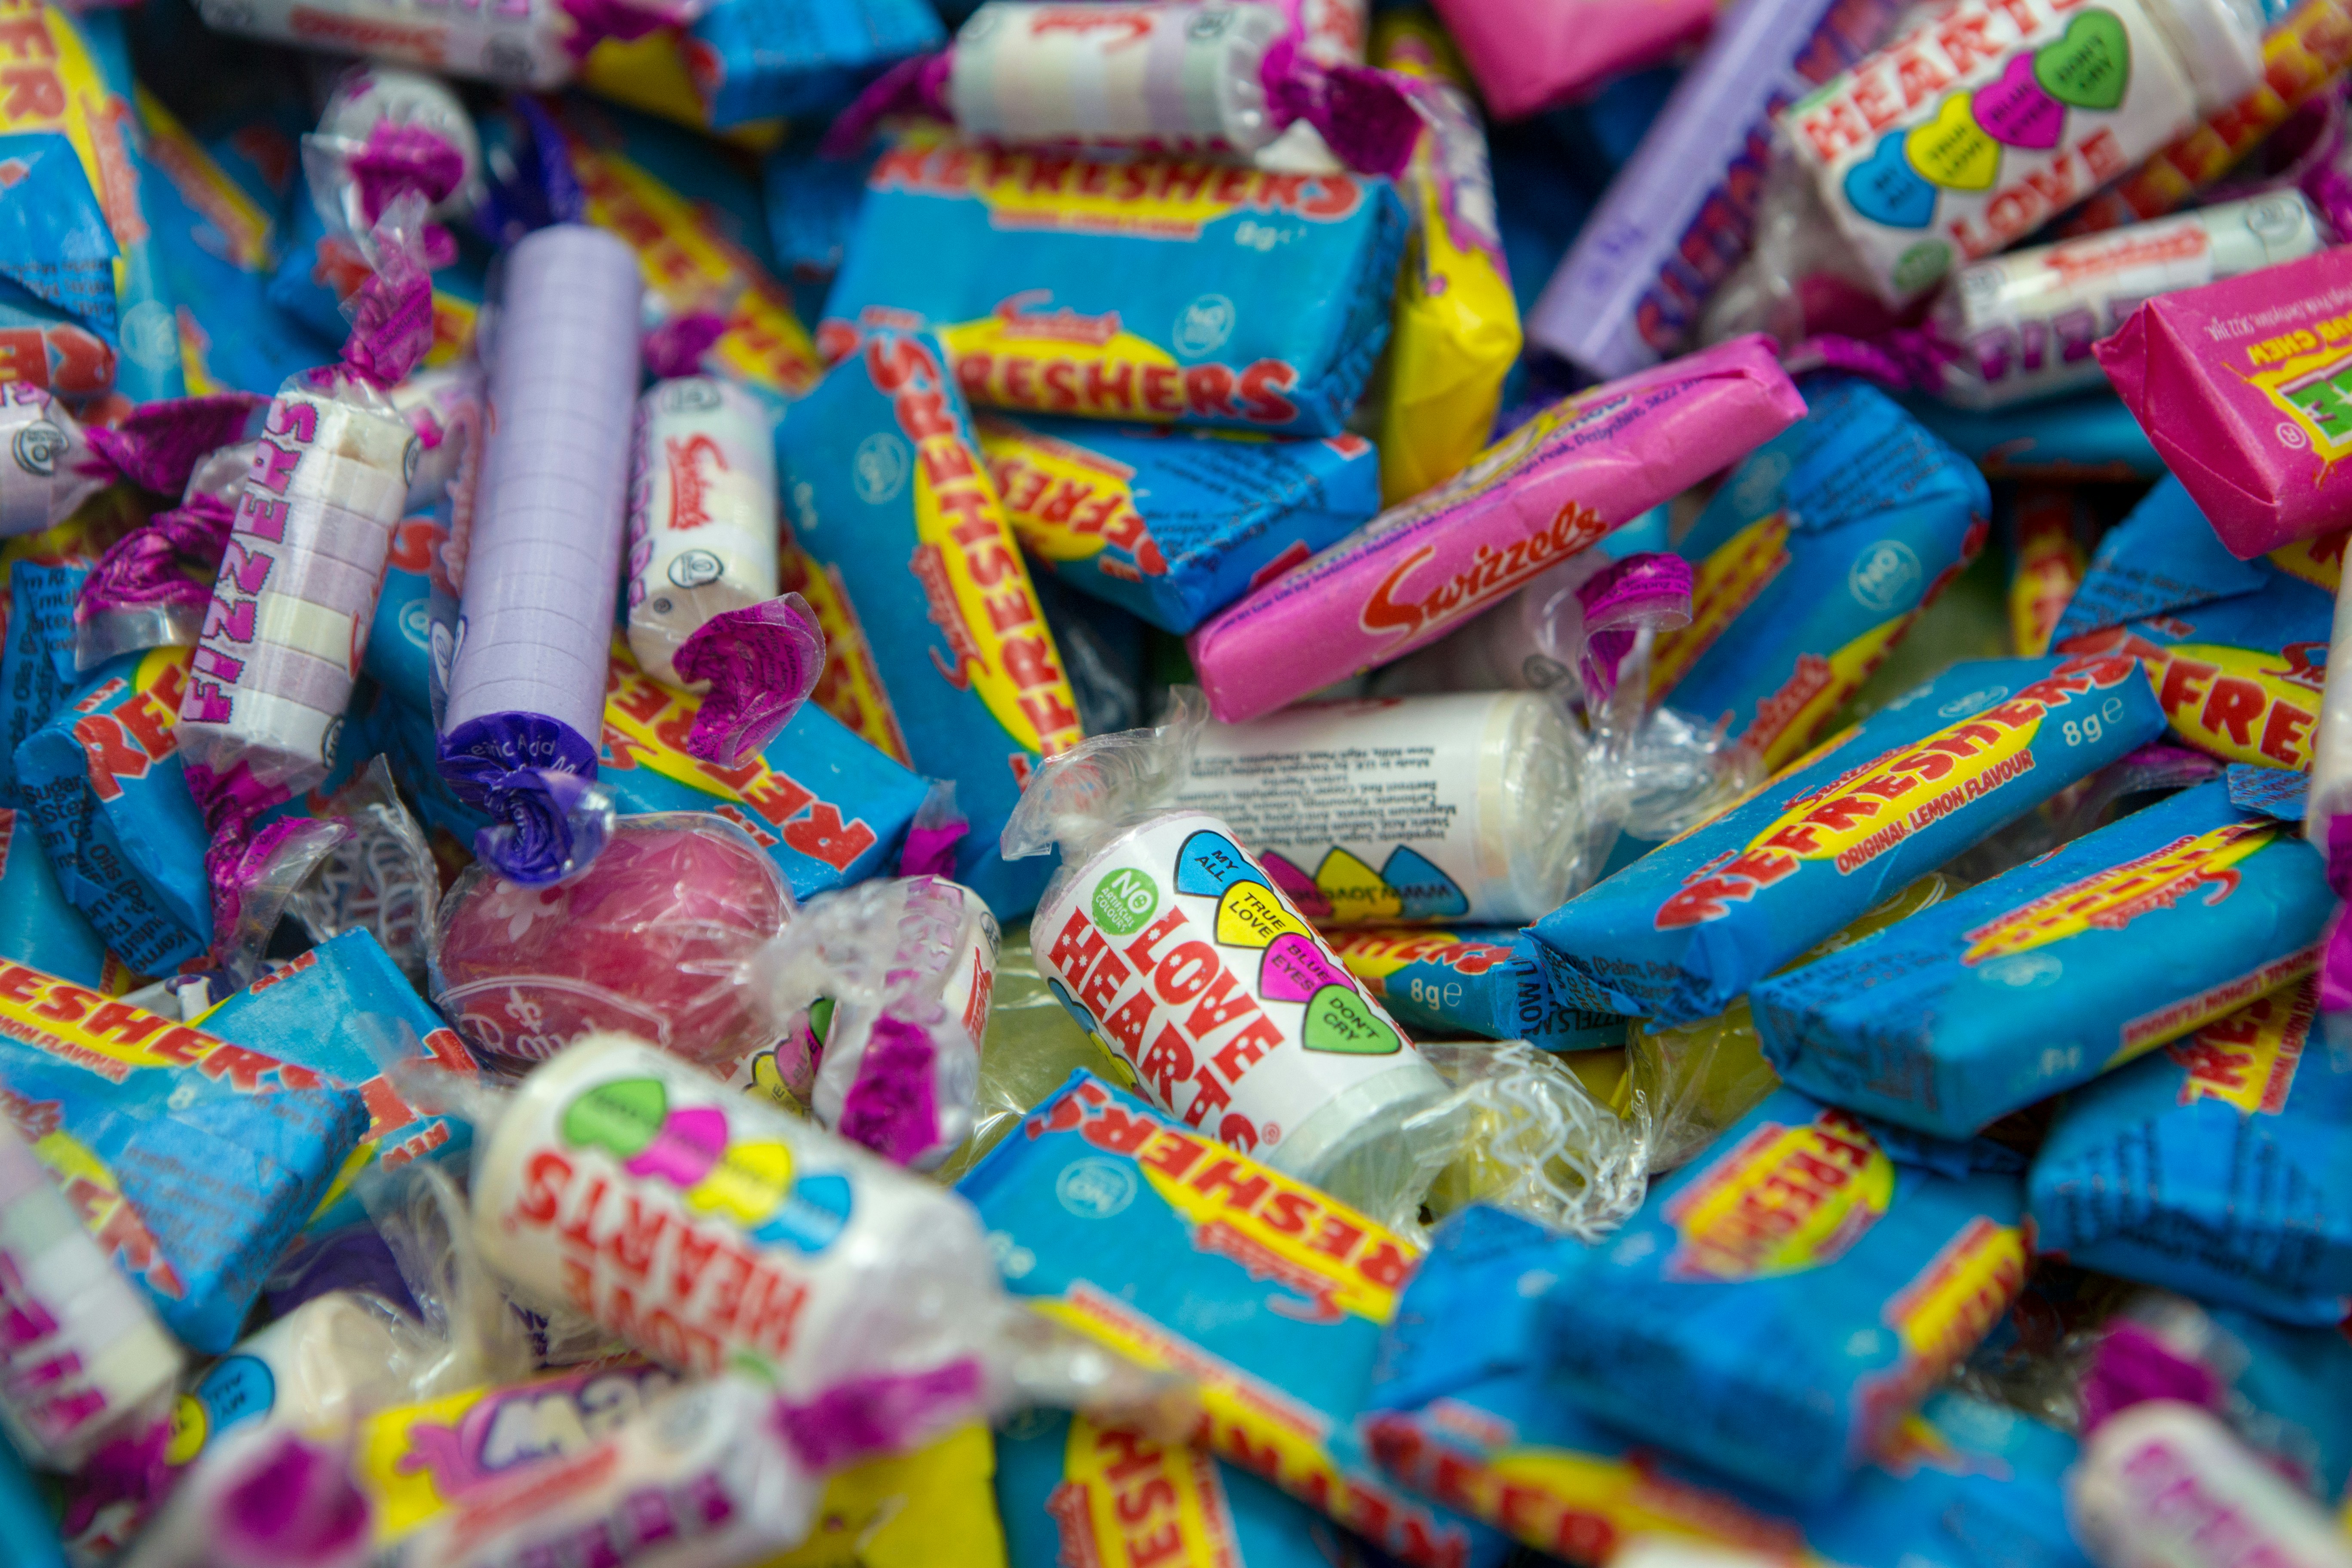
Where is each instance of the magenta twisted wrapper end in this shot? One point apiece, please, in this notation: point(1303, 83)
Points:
point(890, 1108)
point(403, 158)
point(676, 348)
point(761, 663)
point(253, 872)
point(2336, 960)
point(917, 86)
point(1648, 589)
point(1907, 358)
point(298, 1505)
point(2133, 1366)
point(158, 446)
point(860, 1417)
point(153, 563)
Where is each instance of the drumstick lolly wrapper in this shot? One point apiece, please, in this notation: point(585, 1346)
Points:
point(1547, 491)
point(534, 624)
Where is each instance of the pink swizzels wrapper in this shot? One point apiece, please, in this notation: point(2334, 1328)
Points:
point(1543, 493)
point(2244, 388)
point(1532, 54)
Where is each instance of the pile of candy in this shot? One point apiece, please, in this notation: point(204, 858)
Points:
point(804, 782)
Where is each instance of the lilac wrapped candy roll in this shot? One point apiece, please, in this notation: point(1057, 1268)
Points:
point(1679, 215)
point(534, 625)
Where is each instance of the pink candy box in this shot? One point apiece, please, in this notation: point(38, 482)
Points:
point(1533, 54)
point(1547, 491)
point(2244, 388)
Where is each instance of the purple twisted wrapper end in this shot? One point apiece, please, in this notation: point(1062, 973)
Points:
point(2133, 1366)
point(890, 1108)
point(1366, 117)
point(125, 1468)
point(298, 1505)
point(1907, 358)
point(917, 86)
point(761, 663)
point(867, 1415)
point(403, 158)
point(153, 565)
point(1651, 589)
point(2336, 962)
point(676, 347)
point(931, 851)
point(157, 446)
point(252, 871)
point(556, 822)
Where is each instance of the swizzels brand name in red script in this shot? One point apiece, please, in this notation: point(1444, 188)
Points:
point(1869, 811)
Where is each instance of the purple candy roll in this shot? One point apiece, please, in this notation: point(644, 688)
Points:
point(535, 614)
point(1681, 213)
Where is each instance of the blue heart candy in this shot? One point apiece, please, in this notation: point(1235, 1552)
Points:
point(812, 1215)
point(1886, 189)
point(1426, 892)
point(1210, 863)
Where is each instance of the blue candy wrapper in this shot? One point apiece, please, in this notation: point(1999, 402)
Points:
point(1811, 562)
point(765, 59)
point(2090, 437)
point(2063, 969)
point(342, 1010)
point(37, 662)
point(1476, 979)
point(2293, 1389)
point(1468, 1418)
point(889, 495)
point(1120, 1223)
point(194, 1161)
point(39, 928)
point(1778, 1310)
point(2217, 1166)
point(1174, 525)
point(1153, 289)
point(1684, 930)
point(2237, 650)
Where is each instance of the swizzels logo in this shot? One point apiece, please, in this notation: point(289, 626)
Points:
point(2198, 865)
point(1863, 814)
point(689, 485)
point(998, 644)
point(1491, 573)
point(1329, 1262)
point(2248, 1060)
point(1786, 1200)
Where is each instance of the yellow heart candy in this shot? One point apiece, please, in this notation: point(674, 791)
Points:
point(749, 1182)
point(1249, 915)
point(1357, 891)
point(1952, 150)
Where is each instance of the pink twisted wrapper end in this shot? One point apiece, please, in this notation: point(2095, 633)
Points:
point(888, 1413)
point(676, 347)
point(917, 86)
point(2133, 1366)
point(1907, 359)
point(1651, 589)
point(253, 871)
point(156, 563)
point(2336, 962)
point(1366, 117)
point(890, 1108)
point(392, 317)
point(158, 444)
point(403, 158)
point(762, 664)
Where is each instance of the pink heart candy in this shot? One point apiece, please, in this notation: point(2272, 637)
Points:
point(2016, 111)
point(688, 1144)
point(1294, 970)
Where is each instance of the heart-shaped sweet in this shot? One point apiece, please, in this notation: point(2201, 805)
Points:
point(1884, 189)
point(1210, 862)
point(690, 1143)
point(1249, 915)
point(2089, 65)
point(2015, 111)
point(1339, 1020)
point(1294, 969)
point(621, 1118)
point(817, 1212)
point(1356, 892)
point(747, 1184)
point(1952, 150)
point(1297, 886)
point(1426, 892)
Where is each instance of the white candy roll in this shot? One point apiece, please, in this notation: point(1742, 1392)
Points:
point(2025, 323)
point(83, 1358)
point(1403, 811)
point(1176, 947)
point(517, 43)
point(2165, 1485)
point(702, 514)
point(1182, 75)
point(712, 1230)
point(334, 1358)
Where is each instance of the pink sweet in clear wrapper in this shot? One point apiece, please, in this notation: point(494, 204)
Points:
point(1545, 492)
point(2244, 388)
point(1533, 54)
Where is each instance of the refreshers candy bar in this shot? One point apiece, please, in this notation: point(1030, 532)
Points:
point(1683, 931)
point(2025, 323)
point(1403, 810)
point(1153, 289)
point(2215, 1166)
point(1777, 1311)
point(891, 496)
point(2051, 974)
point(714, 1232)
point(194, 1161)
point(2243, 387)
point(1172, 524)
point(1471, 980)
point(1166, 75)
point(1813, 561)
point(1977, 125)
point(526, 679)
point(1679, 215)
point(1545, 492)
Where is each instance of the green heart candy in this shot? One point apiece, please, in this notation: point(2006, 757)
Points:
point(620, 1118)
point(1338, 1020)
point(2089, 65)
